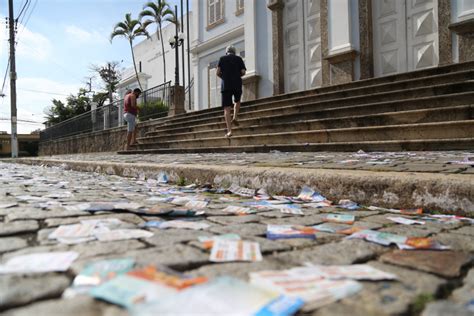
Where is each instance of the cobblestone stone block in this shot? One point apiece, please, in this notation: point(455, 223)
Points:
point(232, 220)
point(456, 241)
point(18, 227)
point(244, 230)
point(128, 218)
point(344, 252)
point(19, 290)
point(78, 306)
point(444, 308)
point(444, 263)
point(237, 269)
point(12, 243)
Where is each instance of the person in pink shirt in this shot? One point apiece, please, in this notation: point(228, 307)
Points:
point(130, 114)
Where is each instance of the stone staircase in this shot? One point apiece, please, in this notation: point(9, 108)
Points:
point(429, 109)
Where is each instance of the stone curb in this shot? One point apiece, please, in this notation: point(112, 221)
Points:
point(448, 193)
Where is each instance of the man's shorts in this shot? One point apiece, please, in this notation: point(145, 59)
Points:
point(227, 97)
point(131, 122)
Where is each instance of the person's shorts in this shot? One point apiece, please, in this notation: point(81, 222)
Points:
point(131, 121)
point(227, 97)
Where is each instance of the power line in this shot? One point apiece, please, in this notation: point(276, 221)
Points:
point(20, 120)
point(5, 78)
point(45, 92)
point(22, 9)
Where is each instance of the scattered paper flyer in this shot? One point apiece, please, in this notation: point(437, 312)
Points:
point(340, 218)
point(96, 273)
point(235, 189)
point(39, 262)
point(222, 296)
point(126, 290)
point(306, 284)
point(415, 211)
point(348, 204)
point(288, 209)
point(402, 242)
point(7, 205)
point(184, 225)
point(309, 195)
point(405, 221)
point(208, 242)
point(121, 234)
point(166, 276)
point(235, 250)
point(196, 204)
point(67, 233)
point(289, 231)
point(238, 210)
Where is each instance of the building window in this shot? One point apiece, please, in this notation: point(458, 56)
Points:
point(215, 13)
point(240, 7)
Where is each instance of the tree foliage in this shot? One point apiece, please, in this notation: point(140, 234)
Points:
point(75, 105)
point(130, 29)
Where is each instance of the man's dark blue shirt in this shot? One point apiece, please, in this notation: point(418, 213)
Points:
point(231, 67)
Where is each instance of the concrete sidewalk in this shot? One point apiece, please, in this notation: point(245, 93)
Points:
point(436, 181)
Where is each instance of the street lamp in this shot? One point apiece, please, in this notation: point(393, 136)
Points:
point(175, 42)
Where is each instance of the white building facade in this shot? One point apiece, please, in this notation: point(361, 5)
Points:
point(296, 45)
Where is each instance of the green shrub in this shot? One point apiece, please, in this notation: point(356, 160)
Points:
point(151, 110)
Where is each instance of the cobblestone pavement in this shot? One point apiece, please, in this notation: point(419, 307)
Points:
point(456, 162)
point(35, 200)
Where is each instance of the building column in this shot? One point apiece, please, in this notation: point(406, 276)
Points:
point(276, 6)
point(343, 44)
point(250, 80)
point(445, 35)
point(366, 51)
point(462, 18)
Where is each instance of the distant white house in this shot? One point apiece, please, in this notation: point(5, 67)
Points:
point(149, 61)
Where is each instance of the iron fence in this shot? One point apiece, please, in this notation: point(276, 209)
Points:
point(153, 103)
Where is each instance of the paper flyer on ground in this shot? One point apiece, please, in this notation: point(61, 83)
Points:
point(340, 218)
point(235, 250)
point(208, 242)
point(167, 277)
point(126, 290)
point(39, 262)
point(308, 284)
point(405, 221)
point(289, 231)
point(238, 210)
point(219, 297)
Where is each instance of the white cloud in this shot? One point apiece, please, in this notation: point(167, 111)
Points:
point(31, 104)
point(32, 45)
point(82, 35)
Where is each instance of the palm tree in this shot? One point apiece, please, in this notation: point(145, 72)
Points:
point(130, 29)
point(158, 12)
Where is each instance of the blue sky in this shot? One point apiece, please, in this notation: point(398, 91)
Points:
point(56, 44)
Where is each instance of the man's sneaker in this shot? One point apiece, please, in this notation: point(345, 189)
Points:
point(228, 135)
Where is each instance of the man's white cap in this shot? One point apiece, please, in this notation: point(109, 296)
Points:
point(230, 50)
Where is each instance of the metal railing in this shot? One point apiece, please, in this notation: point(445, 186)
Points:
point(154, 101)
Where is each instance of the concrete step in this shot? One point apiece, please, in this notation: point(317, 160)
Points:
point(273, 102)
point(419, 74)
point(456, 113)
point(387, 145)
point(329, 112)
point(312, 105)
point(437, 130)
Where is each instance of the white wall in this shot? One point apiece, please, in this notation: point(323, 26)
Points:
point(264, 52)
point(148, 52)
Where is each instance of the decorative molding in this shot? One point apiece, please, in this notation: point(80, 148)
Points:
point(463, 28)
point(215, 24)
point(220, 39)
point(349, 55)
point(275, 5)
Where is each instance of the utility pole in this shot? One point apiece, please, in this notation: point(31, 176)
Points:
point(14, 139)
